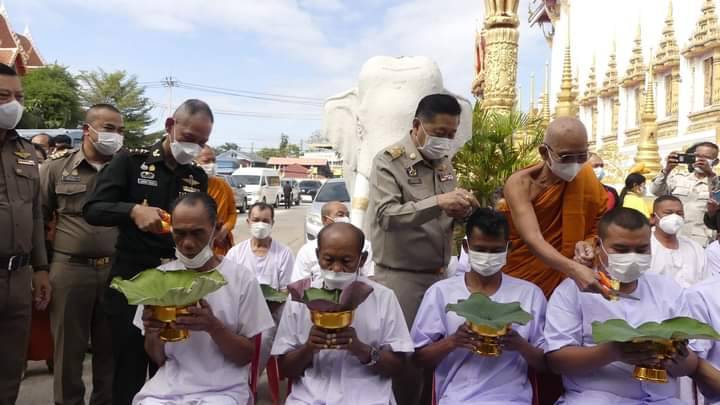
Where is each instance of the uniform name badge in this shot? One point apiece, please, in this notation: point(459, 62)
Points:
point(188, 189)
point(26, 162)
point(147, 182)
point(446, 177)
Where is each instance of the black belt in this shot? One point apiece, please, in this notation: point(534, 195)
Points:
point(90, 261)
point(12, 263)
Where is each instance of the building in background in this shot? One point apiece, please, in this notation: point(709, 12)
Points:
point(230, 160)
point(327, 152)
point(613, 45)
point(17, 50)
point(316, 168)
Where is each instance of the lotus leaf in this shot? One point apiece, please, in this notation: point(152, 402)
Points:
point(273, 295)
point(481, 310)
point(680, 328)
point(168, 288)
point(320, 299)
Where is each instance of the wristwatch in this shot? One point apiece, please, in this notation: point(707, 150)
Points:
point(374, 357)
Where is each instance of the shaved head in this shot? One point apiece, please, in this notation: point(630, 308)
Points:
point(207, 155)
point(566, 131)
point(595, 160)
point(345, 237)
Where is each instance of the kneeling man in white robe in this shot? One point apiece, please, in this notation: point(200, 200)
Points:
point(212, 366)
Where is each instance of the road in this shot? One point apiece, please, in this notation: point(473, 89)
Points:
point(36, 389)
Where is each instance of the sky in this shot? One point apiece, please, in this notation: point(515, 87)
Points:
point(306, 49)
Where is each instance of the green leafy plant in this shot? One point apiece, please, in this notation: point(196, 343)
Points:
point(273, 295)
point(481, 310)
point(168, 288)
point(680, 328)
point(501, 143)
point(313, 294)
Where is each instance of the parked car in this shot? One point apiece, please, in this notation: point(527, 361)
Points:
point(241, 202)
point(308, 189)
point(295, 193)
point(260, 184)
point(332, 190)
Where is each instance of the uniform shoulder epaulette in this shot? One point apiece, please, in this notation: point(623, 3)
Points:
point(60, 154)
point(395, 151)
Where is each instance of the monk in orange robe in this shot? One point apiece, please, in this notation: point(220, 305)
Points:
point(224, 197)
point(553, 208)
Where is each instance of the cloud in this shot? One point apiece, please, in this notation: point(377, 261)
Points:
point(322, 5)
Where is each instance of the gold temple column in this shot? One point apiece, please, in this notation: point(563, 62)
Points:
point(501, 37)
point(716, 77)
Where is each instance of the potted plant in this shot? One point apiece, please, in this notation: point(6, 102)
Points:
point(169, 293)
point(489, 320)
point(660, 337)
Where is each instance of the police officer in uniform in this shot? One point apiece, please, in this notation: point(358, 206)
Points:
point(414, 195)
point(131, 193)
point(23, 262)
point(81, 261)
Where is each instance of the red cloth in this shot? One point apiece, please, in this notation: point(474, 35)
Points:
point(41, 342)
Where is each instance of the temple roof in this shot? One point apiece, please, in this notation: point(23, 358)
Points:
point(33, 56)
point(17, 50)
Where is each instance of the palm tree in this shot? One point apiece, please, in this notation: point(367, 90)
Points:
point(501, 143)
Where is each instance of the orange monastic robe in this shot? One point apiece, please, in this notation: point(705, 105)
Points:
point(567, 213)
point(224, 197)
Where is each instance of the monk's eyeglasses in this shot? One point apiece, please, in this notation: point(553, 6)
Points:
point(570, 157)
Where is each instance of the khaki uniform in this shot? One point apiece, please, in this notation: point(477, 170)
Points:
point(79, 274)
point(21, 245)
point(411, 236)
point(694, 193)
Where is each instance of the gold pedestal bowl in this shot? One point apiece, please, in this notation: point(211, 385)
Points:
point(331, 321)
point(488, 339)
point(655, 373)
point(169, 314)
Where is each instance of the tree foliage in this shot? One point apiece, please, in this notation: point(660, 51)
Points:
point(226, 147)
point(123, 91)
point(501, 144)
point(51, 99)
point(285, 149)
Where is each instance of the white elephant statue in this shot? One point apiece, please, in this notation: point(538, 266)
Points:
point(377, 113)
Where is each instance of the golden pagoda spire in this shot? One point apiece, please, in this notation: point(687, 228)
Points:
point(533, 108)
point(565, 106)
point(647, 152)
point(668, 54)
point(635, 72)
point(590, 85)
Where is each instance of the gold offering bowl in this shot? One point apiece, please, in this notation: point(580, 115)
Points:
point(331, 321)
point(169, 314)
point(664, 349)
point(488, 339)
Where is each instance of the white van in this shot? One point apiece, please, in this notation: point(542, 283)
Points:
point(260, 184)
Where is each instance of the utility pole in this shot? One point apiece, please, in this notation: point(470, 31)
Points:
point(170, 82)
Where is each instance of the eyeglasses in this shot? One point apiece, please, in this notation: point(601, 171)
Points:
point(570, 157)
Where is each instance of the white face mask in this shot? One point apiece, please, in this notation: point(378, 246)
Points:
point(599, 173)
point(199, 259)
point(487, 264)
point(341, 220)
point(627, 267)
point(435, 147)
point(184, 152)
point(108, 143)
point(260, 230)
point(210, 168)
point(334, 280)
point(566, 171)
point(671, 224)
point(10, 114)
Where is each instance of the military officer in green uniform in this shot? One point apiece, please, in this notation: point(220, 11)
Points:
point(415, 199)
point(131, 193)
point(23, 262)
point(80, 264)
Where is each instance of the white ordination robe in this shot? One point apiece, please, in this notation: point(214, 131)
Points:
point(466, 378)
point(195, 368)
point(568, 322)
point(686, 264)
point(273, 269)
point(704, 305)
point(336, 377)
point(306, 262)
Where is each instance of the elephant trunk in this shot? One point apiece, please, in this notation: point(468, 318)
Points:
point(361, 192)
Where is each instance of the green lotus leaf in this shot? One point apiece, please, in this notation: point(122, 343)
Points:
point(168, 288)
point(481, 310)
point(313, 294)
point(273, 295)
point(680, 328)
